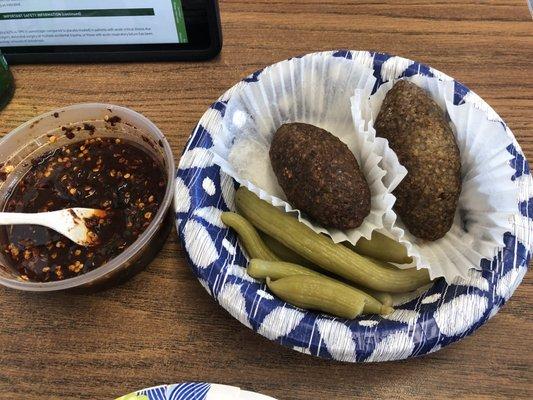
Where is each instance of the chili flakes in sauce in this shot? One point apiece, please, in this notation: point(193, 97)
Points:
point(102, 173)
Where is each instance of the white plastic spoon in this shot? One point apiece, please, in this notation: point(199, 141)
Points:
point(71, 222)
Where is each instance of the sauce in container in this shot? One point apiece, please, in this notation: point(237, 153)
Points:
point(106, 173)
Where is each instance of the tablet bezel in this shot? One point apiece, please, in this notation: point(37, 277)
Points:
point(204, 42)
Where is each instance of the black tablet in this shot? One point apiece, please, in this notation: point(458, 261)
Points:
point(39, 31)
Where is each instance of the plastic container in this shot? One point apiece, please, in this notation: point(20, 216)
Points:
point(31, 139)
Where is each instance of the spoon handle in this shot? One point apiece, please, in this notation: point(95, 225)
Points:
point(7, 218)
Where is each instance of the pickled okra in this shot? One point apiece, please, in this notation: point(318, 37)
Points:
point(383, 297)
point(287, 255)
point(284, 253)
point(317, 293)
point(382, 248)
point(379, 247)
point(261, 269)
point(321, 250)
point(253, 244)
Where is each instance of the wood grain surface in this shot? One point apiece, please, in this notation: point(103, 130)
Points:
point(161, 326)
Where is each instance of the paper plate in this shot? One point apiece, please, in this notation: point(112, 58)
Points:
point(422, 324)
point(194, 391)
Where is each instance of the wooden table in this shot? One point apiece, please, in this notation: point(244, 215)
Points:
point(161, 326)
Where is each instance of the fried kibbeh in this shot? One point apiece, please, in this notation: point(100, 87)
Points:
point(417, 130)
point(320, 175)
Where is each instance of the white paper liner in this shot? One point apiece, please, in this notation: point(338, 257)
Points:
point(488, 197)
point(314, 89)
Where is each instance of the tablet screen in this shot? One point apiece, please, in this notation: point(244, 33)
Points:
point(91, 22)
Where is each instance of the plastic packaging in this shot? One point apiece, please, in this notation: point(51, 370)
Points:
point(31, 139)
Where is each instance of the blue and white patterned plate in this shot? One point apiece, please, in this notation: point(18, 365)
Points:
point(442, 315)
point(194, 391)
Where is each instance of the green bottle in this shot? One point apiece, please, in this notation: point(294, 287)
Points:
point(7, 83)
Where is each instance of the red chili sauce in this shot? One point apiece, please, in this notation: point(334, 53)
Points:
point(103, 173)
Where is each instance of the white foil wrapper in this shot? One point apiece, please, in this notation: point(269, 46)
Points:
point(315, 89)
point(488, 197)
